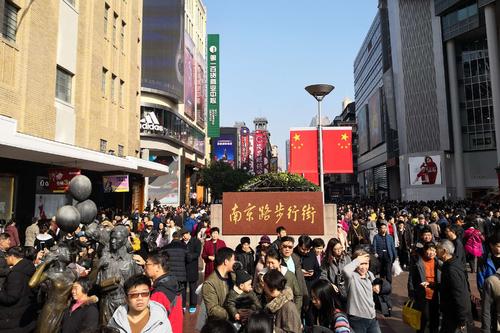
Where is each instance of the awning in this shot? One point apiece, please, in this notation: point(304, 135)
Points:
point(25, 147)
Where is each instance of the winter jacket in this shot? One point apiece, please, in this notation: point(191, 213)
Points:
point(30, 234)
point(358, 235)
point(239, 300)
point(473, 242)
point(382, 299)
point(193, 254)
point(166, 291)
point(486, 268)
point(85, 317)
point(209, 249)
point(4, 268)
point(44, 241)
point(189, 224)
point(405, 239)
point(291, 282)
point(286, 316)
point(17, 303)
point(454, 293)
point(246, 259)
point(416, 276)
point(308, 262)
point(177, 258)
point(389, 243)
point(490, 305)
point(214, 292)
point(158, 319)
point(459, 252)
point(333, 273)
point(14, 235)
point(300, 278)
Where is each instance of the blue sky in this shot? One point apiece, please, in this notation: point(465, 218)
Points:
point(271, 49)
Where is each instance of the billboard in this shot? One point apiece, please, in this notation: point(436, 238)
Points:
point(213, 123)
point(244, 147)
point(224, 149)
point(363, 130)
point(425, 170)
point(375, 119)
point(200, 94)
point(59, 179)
point(165, 188)
point(260, 158)
point(163, 47)
point(258, 213)
point(189, 77)
point(115, 183)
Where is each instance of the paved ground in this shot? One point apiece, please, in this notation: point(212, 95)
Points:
point(393, 324)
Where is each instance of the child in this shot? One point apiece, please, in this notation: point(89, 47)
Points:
point(242, 301)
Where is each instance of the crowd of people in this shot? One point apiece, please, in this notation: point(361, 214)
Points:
point(142, 272)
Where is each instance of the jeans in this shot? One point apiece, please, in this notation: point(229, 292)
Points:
point(364, 325)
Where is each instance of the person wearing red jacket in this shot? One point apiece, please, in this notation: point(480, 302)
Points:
point(209, 249)
point(166, 289)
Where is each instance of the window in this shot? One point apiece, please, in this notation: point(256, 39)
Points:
point(106, 14)
point(113, 79)
point(103, 81)
point(115, 20)
point(103, 146)
point(71, 2)
point(9, 28)
point(122, 41)
point(122, 92)
point(63, 85)
point(120, 150)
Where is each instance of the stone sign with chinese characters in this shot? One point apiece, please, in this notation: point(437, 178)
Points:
point(260, 213)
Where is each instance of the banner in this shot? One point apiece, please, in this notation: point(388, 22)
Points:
point(59, 179)
point(189, 78)
point(244, 147)
point(425, 170)
point(115, 183)
point(259, 213)
point(337, 150)
point(303, 150)
point(375, 119)
point(260, 138)
point(200, 95)
point(213, 123)
point(165, 188)
point(224, 148)
point(251, 153)
point(363, 130)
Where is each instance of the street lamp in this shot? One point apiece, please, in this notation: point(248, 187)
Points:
point(319, 91)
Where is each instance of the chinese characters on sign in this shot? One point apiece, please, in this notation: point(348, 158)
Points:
point(259, 213)
point(59, 179)
point(213, 129)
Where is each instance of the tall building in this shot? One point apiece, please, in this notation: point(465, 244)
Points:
point(173, 97)
point(69, 103)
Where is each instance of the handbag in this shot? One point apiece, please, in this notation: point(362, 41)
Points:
point(411, 316)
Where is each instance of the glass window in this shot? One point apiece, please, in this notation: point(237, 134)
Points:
point(113, 79)
point(122, 92)
point(9, 28)
point(63, 85)
point(103, 144)
point(71, 2)
point(122, 39)
point(103, 81)
point(6, 197)
point(120, 150)
point(115, 20)
point(106, 14)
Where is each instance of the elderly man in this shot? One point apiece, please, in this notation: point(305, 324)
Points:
point(454, 290)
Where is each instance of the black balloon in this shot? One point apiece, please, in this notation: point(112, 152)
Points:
point(80, 187)
point(68, 218)
point(88, 211)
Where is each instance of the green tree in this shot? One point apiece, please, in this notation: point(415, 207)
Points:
point(220, 177)
point(278, 182)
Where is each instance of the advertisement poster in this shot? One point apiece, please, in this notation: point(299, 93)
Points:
point(224, 149)
point(375, 119)
point(59, 179)
point(163, 47)
point(115, 183)
point(46, 202)
point(244, 147)
point(213, 122)
point(251, 154)
point(363, 130)
point(425, 170)
point(200, 95)
point(165, 188)
point(189, 78)
point(260, 152)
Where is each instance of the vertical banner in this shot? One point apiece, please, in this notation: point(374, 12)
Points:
point(189, 77)
point(200, 95)
point(251, 153)
point(337, 150)
point(260, 152)
point(244, 147)
point(213, 126)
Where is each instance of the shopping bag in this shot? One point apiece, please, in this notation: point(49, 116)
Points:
point(396, 268)
point(411, 316)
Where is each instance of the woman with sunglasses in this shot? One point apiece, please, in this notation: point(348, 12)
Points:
point(140, 314)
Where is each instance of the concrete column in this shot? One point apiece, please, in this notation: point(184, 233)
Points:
point(492, 37)
point(145, 156)
point(455, 116)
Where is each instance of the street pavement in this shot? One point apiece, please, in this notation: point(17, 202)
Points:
point(393, 324)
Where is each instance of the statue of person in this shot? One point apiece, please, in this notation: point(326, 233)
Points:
point(55, 270)
point(115, 266)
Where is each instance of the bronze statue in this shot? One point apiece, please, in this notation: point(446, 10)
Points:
point(55, 270)
point(115, 266)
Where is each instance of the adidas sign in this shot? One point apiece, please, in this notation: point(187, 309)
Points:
point(150, 122)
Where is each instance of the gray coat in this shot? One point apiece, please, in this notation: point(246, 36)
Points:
point(158, 319)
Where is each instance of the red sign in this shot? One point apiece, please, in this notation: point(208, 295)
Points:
point(260, 152)
point(244, 147)
point(260, 213)
point(59, 179)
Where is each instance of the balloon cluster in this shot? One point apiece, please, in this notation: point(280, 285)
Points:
point(69, 217)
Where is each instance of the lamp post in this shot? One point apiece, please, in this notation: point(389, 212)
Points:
point(319, 91)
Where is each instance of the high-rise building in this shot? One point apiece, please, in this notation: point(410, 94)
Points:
point(173, 97)
point(69, 103)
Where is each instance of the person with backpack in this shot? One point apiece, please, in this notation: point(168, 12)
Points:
point(166, 290)
point(473, 240)
point(326, 308)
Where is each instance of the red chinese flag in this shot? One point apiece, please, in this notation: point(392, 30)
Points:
point(337, 150)
point(303, 150)
point(312, 177)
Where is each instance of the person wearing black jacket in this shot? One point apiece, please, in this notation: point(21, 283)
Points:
point(17, 303)
point(82, 314)
point(177, 259)
point(453, 290)
point(4, 246)
point(451, 233)
point(193, 245)
point(245, 255)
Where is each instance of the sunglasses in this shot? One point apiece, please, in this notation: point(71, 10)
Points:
point(287, 246)
point(144, 294)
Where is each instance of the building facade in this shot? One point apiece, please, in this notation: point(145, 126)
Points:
point(69, 102)
point(173, 97)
